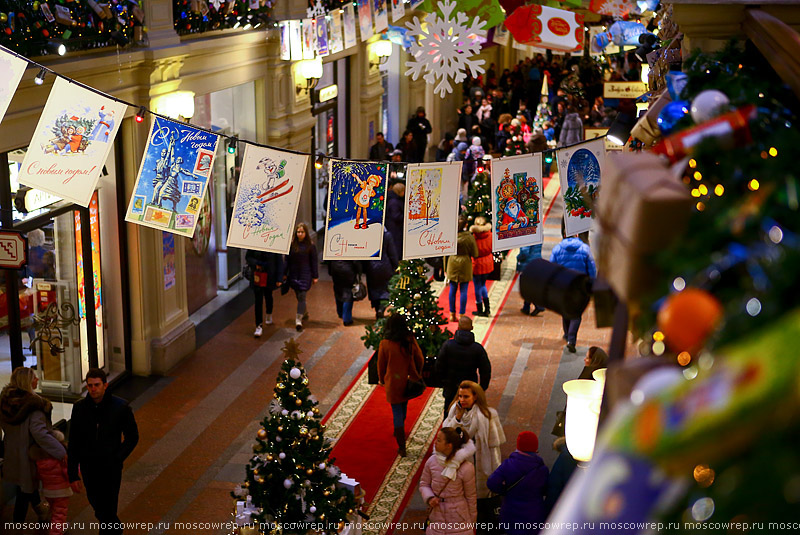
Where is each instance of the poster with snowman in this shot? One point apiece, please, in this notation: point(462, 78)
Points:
point(356, 207)
point(265, 208)
point(517, 202)
point(580, 169)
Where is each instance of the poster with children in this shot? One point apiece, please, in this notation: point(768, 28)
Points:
point(381, 15)
point(365, 18)
point(517, 202)
point(579, 169)
point(356, 202)
point(71, 142)
point(266, 202)
point(173, 176)
point(11, 70)
point(430, 224)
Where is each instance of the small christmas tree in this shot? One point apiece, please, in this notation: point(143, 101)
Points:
point(480, 198)
point(516, 143)
point(291, 479)
point(411, 295)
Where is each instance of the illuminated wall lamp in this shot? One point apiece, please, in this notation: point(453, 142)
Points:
point(382, 49)
point(175, 105)
point(583, 414)
point(311, 71)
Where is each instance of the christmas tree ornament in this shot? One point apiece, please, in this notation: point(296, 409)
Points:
point(287, 483)
point(310, 471)
point(294, 373)
point(303, 431)
point(262, 433)
point(298, 402)
point(687, 318)
point(280, 429)
point(304, 381)
point(312, 509)
point(708, 104)
point(281, 456)
point(444, 49)
point(670, 115)
point(322, 466)
point(284, 412)
point(270, 457)
point(280, 386)
point(310, 414)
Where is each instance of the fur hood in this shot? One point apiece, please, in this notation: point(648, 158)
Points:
point(487, 227)
point(16, 404)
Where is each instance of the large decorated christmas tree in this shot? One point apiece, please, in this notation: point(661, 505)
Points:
point(516, 143)
point(290, 479)
point(411, 294)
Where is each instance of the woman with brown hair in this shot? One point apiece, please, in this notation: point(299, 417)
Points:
point(595, 359)
point(302, 270)
point(25, 420)
point(399, 359)
point(448, 484)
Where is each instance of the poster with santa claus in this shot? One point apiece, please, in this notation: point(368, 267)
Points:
point(516, 202)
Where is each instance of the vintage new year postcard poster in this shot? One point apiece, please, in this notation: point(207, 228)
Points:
point(356, 202)
point(431, 210)
point(71, 142)
point(265, 208)
point(173, 177)
point(579, 170)
point(11, 70)
point(365, 18)
point(516, 202)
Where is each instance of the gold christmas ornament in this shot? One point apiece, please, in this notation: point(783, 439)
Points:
point(280, 429)
point(305, 381)
point(246, 483)
point(281, 386)
point(315, 410)
point(326, 493)
point(262, 433)
point(309, 471)
point(298, 402)
point(303, 430)
point(270, 457)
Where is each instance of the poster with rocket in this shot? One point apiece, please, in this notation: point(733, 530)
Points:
point(71, 142)
point(579, 169)
point(173, 177)
point(517, 202)
point(265, 208)
point(431, 209)
point(356, 205)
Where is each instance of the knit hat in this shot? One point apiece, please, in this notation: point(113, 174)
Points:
point(461, 147)
point(528, 441)
point(461, 134)
point(476, 140)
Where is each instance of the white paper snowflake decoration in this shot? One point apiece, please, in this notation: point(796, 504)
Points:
point(444, 48)
point(316, 10)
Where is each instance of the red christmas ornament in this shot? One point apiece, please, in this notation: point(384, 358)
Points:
point(687, 318)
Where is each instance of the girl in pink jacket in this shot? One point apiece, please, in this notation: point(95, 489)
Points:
point(448, 485)
point(55, 484)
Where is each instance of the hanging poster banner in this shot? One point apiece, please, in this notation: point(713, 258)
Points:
point(309, 39)
point(349, 18)
point(431, 209)
point(614, 8)
point(590, 132)
point(11, 70)
point(97, 279)
point(579, 169)
point(265, 208)
point(322, 35)
point(415, 3)
point(501, 35)
point(365, 18)
point(517, 202)
point(168, 258)
point(295, 40)
point(356, 202)
point(71, 142)
point(286, 51)
point(335, 38)
point(398, 10)
point(381, 15)
point(173, 176)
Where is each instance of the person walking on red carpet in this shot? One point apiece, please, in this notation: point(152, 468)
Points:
point(462, 359)
point(399, 359)
point(483, 265)
point(471, 412)
point(448, 484)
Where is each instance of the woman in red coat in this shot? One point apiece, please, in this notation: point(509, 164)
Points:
point(483, 265)
point(399, 359)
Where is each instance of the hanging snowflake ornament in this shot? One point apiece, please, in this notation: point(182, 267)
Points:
point(316, 10)
point(444, 48)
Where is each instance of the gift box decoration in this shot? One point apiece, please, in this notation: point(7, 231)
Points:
point(547, 27)
point(643, 206)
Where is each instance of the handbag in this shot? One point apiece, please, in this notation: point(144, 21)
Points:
point(359, 290)
point(247, 272)
point(260, 278)
point(414, 389)
point(430, 508)
point(558, 427)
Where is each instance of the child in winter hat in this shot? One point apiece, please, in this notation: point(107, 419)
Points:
point(527, 441)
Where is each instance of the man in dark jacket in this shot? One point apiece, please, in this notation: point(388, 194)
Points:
point(379, 272)
point(381, 150)
point(102, 434)
point(395, 206)
point(462, 359)
point(420, 126)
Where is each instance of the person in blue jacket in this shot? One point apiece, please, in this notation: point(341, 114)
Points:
point(525, 255)
point(522, 480)
point(574, 254)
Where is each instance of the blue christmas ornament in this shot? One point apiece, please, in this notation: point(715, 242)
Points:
point(671, 114)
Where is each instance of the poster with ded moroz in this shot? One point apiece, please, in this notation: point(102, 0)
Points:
point(517, 202)
point(11, 70)
point(173, 177)
point(356, 206)
point(580, 168)
point(265, 208)
point(71, 142)
point(431, 209)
